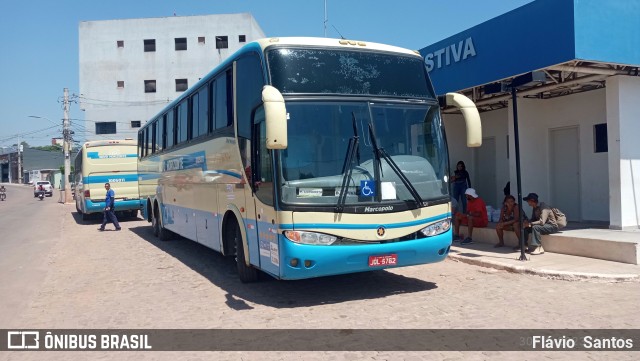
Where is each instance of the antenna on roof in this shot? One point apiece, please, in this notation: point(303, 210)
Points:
point(341, 37)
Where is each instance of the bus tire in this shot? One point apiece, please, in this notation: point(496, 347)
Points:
point(158, 230)
point(247, 274)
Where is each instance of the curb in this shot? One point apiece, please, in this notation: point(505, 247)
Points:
point(560, 275)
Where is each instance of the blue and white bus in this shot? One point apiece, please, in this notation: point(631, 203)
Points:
point(306, 157)
point(102, 161)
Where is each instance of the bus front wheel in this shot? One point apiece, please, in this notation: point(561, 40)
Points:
point(158, 230)
point(247, 273)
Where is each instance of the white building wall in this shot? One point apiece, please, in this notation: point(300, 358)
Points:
point(494, 124)
point(623, 130)
point(103, 64)
point(536, 117)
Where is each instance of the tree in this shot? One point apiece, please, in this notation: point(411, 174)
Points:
point(24, 144)
point(50, 148)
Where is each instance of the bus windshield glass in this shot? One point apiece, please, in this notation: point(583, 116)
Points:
point(315, 167)
point(348, 72)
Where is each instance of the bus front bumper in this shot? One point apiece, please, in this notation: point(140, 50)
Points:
point(120, 205)
point(317, 261)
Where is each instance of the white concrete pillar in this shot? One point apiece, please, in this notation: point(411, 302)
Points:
point(623, 132)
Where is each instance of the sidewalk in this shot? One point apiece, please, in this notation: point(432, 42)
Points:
point(550, 265)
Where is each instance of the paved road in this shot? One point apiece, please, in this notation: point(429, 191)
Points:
point(29, 230)
point(129, 279)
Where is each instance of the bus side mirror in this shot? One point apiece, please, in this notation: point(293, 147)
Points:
point(470, 115)
point(276, 118)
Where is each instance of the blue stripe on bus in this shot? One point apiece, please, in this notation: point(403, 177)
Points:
point(97, 155)
point(363, 226)
point(148, 176)
point(112, 178)
point(120, 205)
point(225, 172)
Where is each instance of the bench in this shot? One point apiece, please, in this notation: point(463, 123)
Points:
point(606, 244)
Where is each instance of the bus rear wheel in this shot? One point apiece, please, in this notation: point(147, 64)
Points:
point(247, 274)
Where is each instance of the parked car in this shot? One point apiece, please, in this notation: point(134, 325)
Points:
point(48, 188)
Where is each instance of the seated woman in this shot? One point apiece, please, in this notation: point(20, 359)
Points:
point(509, 216)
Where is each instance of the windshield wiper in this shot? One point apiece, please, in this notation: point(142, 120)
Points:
point(381, 152)
point(347, 170)
point(355, 134)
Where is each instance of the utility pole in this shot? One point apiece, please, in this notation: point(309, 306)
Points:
point(19, 161)
point(325, 18)
point(66, 141)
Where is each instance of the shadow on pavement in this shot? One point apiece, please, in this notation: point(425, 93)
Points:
point(221, 271)
point(96, 218)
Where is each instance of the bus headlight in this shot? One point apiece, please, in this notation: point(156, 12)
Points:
point(310, 237)
point(437, 228)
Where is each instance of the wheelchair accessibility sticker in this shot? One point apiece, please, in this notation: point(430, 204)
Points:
point(367, 188)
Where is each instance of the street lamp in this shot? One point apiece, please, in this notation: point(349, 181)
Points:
point(39, 117)
point(517, 82)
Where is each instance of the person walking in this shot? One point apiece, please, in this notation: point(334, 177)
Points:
point(109, 214)
point(460, 182)
point(543, 221)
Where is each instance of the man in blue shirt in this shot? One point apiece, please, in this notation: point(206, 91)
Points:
point(109, 211)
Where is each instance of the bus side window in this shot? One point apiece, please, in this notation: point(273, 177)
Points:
point(159, 136)
point(183, 124)
point(170, 129)
point(224, 101)
point(203, 110)
point(147, 144)
point(165, 139)
point(194, 113)
point(212, 103)
point(153, 137)
point(139, 144)
point(249, 83)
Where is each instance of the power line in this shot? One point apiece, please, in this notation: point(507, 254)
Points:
point(108, 102)
point(18, 135)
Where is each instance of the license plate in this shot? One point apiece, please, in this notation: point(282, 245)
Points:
point(386, 260)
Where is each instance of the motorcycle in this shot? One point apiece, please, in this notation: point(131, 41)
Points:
point(3, 195)
point(41, 195)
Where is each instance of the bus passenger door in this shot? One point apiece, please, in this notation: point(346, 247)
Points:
point(262, 184)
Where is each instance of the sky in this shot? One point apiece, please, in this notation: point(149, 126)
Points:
point(39, 57)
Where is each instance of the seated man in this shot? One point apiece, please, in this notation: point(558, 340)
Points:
point(543, 221)
point(509, 219)
point(476, 216)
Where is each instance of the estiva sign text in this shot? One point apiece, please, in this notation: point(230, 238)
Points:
point(453, 53)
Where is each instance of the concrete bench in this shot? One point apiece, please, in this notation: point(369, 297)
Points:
point(611, 245)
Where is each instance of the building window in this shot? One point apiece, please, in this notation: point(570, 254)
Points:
point(181, 85)
point(600, 143)
point(201, 40)
point(120, 43)
point(120, 84)
point(242, 38)
point(149, 45)
point(222, 42)
point(136, 124)
point(181, 43)
point(149, 86)
point(106, 128)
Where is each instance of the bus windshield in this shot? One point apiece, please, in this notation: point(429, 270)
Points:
point(352, 72)
point(315, 164)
